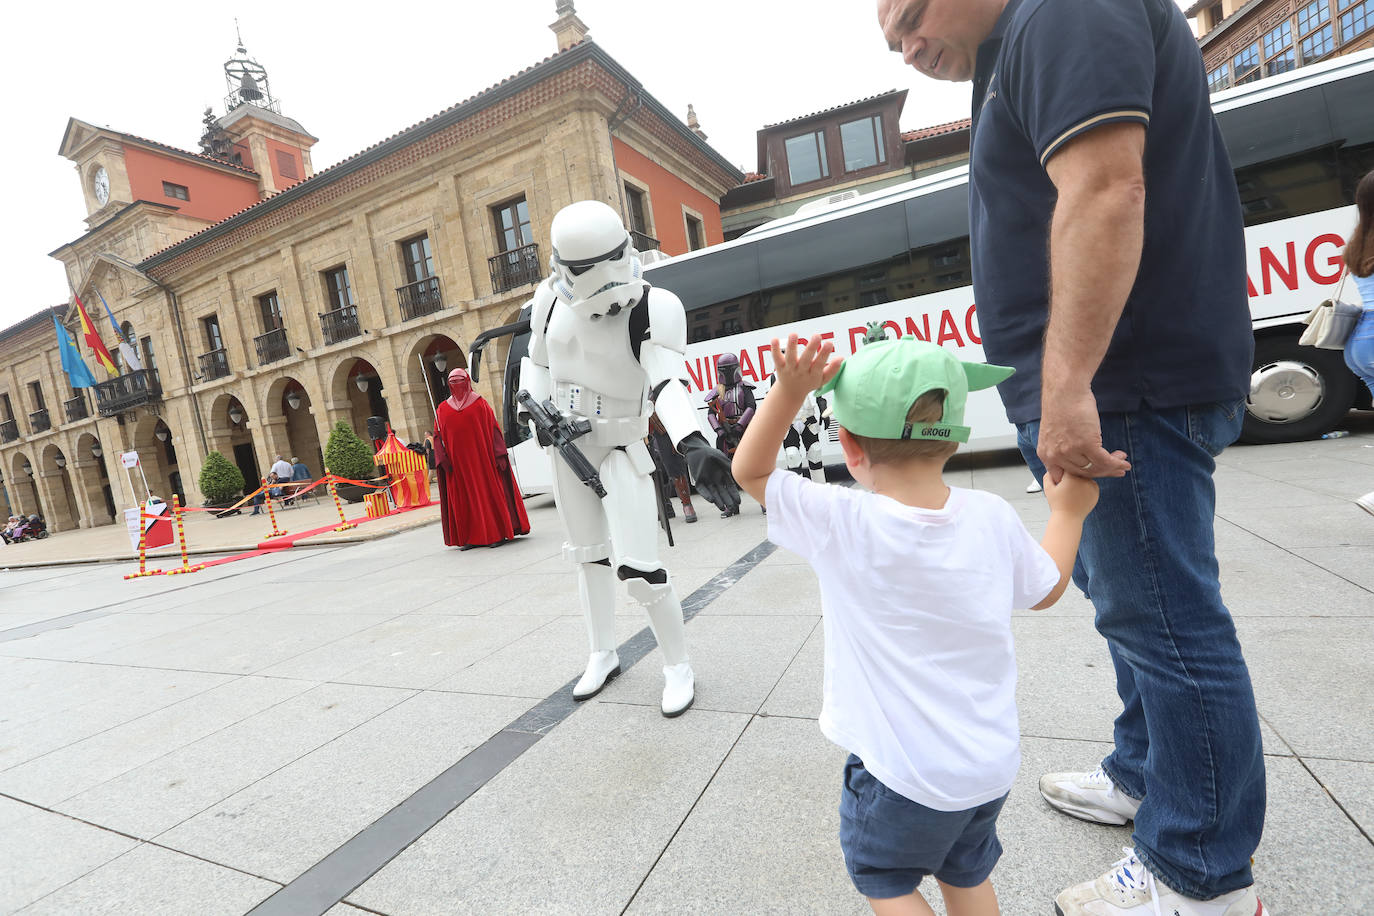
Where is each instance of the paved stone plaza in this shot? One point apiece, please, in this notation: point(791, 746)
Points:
point(387, 727)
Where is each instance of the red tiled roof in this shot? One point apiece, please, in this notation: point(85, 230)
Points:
point(342, 162)
point(935, 130)
point(832, 108)
point(220, 162)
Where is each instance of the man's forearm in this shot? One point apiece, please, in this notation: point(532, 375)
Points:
point(1095, 246)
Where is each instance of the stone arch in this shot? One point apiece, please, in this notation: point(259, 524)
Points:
point(54, 468)
point(158, 457)
point(237, 440)
point(22, 487)
point(92, 477)
point(426, 363)
point(354, 404)
point(289, 407)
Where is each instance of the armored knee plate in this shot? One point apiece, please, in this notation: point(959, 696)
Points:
point(591, 553)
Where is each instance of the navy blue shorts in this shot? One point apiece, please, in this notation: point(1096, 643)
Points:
point(890, 842)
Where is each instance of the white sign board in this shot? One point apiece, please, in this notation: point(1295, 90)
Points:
point(129, 459)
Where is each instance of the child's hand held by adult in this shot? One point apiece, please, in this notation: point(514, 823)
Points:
point(1074, 496)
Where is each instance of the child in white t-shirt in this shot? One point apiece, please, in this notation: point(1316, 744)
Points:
point(918, 581)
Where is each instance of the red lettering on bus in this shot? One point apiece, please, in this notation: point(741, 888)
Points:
point(968, 324)
point(856, 335)
point(921, 333)
point(1333, 261)
point(1270, 263)
point(896, 328)
point(1250, 287)
point(746, 366)
point(699, 376)
point(765, 353)
point(947, 322)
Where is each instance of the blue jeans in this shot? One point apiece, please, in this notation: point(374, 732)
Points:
point(1359, 349)
point(1188, 739)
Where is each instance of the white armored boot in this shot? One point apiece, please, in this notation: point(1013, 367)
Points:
point(679, 689)
point(596, 587)
point(665, 619)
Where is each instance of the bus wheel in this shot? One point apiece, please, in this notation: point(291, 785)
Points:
point(1296, 392)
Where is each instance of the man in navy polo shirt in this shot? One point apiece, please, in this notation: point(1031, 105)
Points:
point(1109, 270)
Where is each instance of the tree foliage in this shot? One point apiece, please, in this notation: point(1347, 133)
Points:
point(348, 456)
point(220, 479)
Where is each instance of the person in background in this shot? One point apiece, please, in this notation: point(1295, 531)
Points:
point(1359, 261)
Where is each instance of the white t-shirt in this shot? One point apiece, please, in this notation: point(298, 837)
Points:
point(282, 469)
point(920, 675)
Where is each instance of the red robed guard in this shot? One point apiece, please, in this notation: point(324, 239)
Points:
point(479, 498)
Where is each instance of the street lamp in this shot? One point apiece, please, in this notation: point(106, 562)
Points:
point(96, 450)
point(60, 461)
point(235, 415)
point(441, 362)
point(28, 469)
point(162, 433)
point(361, 382)
point(293, 399)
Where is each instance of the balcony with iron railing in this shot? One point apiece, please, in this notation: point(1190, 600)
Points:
point(515, 268)
point(340, 324)
point(76, 408)
point(643, 242)
point(133, 389)
point(423, 297)
point(9, 431)
point(214, 364)
point(272, 346)
point(39, 422)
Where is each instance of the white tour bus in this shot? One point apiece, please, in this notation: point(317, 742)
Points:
point(1299, 142)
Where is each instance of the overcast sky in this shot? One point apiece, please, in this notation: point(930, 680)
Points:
point(355, 72)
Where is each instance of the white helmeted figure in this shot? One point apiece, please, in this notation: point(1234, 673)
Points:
point(802, 445)
point(602, 340)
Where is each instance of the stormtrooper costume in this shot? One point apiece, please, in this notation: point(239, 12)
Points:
point(801, 447)
point(601, 342)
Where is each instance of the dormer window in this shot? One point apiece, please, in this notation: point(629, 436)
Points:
point(862, 141)
point(806, 160)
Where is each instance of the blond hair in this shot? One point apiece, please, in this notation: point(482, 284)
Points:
point(928, 408)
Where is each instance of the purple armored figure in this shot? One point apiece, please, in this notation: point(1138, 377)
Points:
point(732, 407)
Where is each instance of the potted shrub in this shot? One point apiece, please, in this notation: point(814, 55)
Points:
point(348, 456)
point(221, 482)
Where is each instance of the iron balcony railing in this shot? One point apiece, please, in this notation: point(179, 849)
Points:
point(423, 297)
point(9, 431)
point(514, 268)
point(76, 408)
point(643, 242)
point(340, 324)
point(272, 346)
point(39, 422)
point(133, 389)
point(214, 364)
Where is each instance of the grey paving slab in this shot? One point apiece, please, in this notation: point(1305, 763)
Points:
point(67, 771)
point(1343, 525)
point(91, 699)
point(1262, 580)
point(1312, 684)
point(415, 651)
point(782, 589)
point(152, 881)
point(798, 692)
point(737, 662)
point(572, 826)
point(540, 662)
point(1351, 784)
point(93, 637)
point(41, 851)
point(233, 646)
point(288, 821)
point(771, 812)
point(1354, 564)
point(154, 797)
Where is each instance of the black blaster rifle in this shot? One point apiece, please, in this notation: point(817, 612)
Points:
point(554, 429)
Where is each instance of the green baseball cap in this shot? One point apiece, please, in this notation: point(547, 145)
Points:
point(876, 387)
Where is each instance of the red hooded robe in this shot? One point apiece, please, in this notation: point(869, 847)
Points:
point(479, 498)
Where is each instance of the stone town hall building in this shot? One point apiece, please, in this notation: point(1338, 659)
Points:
point(270, 301)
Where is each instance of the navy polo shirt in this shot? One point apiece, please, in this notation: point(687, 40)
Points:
point(1050, 71)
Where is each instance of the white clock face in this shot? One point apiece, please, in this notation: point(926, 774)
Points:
point(101, 185)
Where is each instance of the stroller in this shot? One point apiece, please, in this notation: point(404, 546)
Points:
point(34, 528)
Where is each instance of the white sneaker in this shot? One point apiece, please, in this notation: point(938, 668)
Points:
point(1034, 487)
point(1130, 890)
point(602, 668)
point(679, 689)
point(1366, 502)
point(1088, 796)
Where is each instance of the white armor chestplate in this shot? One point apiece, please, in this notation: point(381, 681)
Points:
point(596, 376)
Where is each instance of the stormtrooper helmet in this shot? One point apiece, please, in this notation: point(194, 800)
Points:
point(594, 266)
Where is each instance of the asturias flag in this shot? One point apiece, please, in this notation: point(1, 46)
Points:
point(93, 341)
point(72, 364)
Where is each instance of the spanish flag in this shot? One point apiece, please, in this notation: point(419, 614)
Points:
point(93, 340)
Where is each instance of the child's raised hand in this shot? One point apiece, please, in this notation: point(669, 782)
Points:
point(805, 369)
point(1074, 496)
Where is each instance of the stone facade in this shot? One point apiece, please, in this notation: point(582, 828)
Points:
point(544, 136)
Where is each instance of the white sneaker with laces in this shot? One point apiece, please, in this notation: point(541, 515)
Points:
point(1366, 502)
point(1130, 890)
point(1088, 796)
